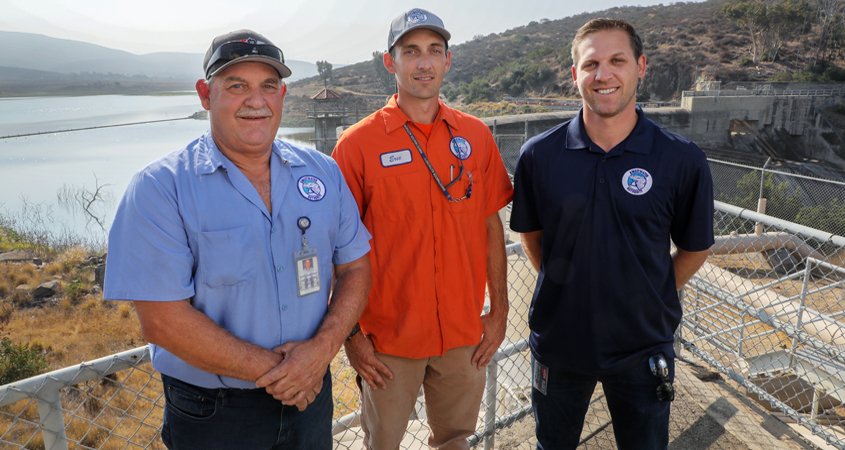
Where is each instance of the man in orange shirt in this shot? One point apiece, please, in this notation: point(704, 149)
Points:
point(429, 182)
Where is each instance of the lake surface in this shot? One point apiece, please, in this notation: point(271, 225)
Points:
point(35, 169)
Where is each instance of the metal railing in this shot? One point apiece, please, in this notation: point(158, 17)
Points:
point(831, 92)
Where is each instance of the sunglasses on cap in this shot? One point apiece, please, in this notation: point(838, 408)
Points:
point(233, 50)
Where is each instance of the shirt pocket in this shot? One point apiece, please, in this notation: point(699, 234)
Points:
point(223, 258)
point(400, 195)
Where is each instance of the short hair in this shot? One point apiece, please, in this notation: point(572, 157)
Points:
point(603, 24)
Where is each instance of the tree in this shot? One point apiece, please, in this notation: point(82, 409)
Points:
point(384, 77)
point(830, 15)
point(785, 19)
point(751, 15)
point(324, 68)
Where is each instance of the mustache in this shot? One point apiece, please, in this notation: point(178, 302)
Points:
point(253, 113)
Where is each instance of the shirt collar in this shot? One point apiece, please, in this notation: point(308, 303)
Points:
point(209, 158)
point(639, 141)
point(394, 118)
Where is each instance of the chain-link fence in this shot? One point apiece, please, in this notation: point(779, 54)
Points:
point(116, 402)
point(767, 310)
point(781, 192)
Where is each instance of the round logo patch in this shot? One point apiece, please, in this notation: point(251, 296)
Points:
point(460, 147)
point(636, 181)
point(416, 16)
point(311, 188)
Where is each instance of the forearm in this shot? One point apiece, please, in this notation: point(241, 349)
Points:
point(686, 264)
point(497, 285)
point(196, 339)
point(349, 298)
point(532, 246)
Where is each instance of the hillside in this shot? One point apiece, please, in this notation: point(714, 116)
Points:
point(684, 42)
point(81, 68)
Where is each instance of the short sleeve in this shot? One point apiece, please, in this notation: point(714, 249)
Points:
point(692, 223)
point(524, 216)
point(148, 255)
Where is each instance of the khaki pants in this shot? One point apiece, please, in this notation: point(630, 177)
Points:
point(452, 386)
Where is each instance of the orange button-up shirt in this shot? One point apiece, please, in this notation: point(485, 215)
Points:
point(429, 255)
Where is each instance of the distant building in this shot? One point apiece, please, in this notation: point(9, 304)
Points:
point(330, 115)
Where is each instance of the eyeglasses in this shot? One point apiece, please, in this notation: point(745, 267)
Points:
point(230, 51)
point(443, 188)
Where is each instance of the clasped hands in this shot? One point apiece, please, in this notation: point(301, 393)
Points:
point(298, 378)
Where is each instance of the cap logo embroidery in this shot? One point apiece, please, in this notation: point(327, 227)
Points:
point(637, 181)
point(460, 147)
point(416, 16)
point(311, 187)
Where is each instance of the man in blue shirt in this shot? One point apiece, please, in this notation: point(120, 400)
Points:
point(227, 248)
point(598, 200)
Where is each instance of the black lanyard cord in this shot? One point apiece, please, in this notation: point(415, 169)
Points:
point(440, 184)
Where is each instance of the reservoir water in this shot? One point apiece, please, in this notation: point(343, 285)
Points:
point(35, 169)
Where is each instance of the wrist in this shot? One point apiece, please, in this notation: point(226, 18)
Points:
point(355, 330)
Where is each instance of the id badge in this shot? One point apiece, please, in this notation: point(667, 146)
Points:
point(540, 377)
point(307, 272)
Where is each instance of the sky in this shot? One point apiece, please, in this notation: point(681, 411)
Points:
point(338, 31)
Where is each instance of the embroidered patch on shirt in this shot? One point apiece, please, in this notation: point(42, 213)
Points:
point(460, 147)
point(311, 187)
point(636, 181)
point(396, 158)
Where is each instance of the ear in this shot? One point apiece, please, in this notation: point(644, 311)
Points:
point(641, 66)
point(448, 60)
point(574, 73)
point(204, 93)
point(387, 60)
point(284, 89)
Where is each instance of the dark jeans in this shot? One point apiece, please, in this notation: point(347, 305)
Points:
point(640, 421)
point(200, 418)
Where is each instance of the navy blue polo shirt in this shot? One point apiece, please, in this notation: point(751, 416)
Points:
point(605, 295)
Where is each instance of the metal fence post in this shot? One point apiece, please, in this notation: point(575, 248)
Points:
point(802, 306)
point(490, 400)
point(52, 419)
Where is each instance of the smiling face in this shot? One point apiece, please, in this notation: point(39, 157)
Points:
point(607, 73)
point(245, 104)
point(419, 61)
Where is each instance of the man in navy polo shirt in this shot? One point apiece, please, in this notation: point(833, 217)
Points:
point(598, 200)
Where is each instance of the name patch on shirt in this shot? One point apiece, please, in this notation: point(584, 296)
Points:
point(397, 158)
point(637, 181)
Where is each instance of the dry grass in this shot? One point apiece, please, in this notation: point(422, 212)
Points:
point(70, 335)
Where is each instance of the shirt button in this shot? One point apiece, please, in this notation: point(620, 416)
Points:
point(279, 268)
point(284, 308)
point(601, 180)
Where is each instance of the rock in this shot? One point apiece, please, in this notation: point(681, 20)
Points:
point(46, 289)
point(38, 262)
point(22, 289)
point(17, 256)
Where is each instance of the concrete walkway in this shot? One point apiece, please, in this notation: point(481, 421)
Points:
point(709, 414)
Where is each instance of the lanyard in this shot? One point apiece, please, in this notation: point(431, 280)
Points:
point(440, 184)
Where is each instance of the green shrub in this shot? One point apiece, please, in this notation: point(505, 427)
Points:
point(19, 361)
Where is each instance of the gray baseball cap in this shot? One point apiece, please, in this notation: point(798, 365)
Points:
point(412, 20)
point(241, 46)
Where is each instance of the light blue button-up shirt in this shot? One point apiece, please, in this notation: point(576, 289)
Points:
point(192, 226)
